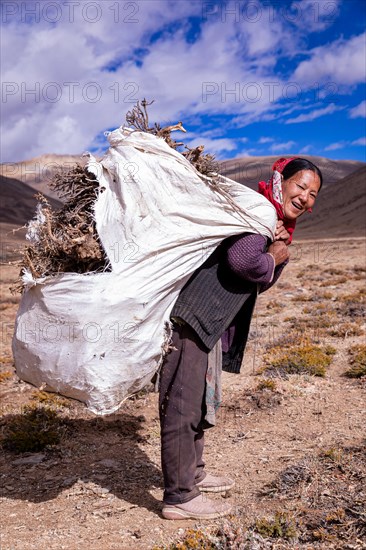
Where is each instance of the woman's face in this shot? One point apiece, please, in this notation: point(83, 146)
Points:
point(299, 193)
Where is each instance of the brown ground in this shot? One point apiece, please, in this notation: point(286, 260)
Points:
point(100, 487)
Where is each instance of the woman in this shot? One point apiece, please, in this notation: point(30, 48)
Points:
point(214, 307)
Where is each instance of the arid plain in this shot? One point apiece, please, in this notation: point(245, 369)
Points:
point(291, 427)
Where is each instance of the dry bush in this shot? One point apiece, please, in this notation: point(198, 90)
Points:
point(274, 306)
point(358, 361)
point(312, 327)
point(326, 493)
point(343, 330)
point(313, 297)
point(357, 296)
point(50, 399)
point(334, 282)
point(228, 534)
point(333, 271)
point(305, 358)
point(281, 525)
point(66, 240)
point(32, 431)
point(6, 375)
point(138, 119)
point(266, 384)
point(352, 305)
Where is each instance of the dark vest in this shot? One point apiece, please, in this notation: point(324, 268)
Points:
point(209, 302)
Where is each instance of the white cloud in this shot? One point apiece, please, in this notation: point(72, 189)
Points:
point(227, 54)
point(359, 110)
point(214, 146)
point(342, 62)
point(72, 56)
point(265, 140)
point(361, 141)
point(335, 146)
point(314, 15)
point(342, 144)
point(245, 153)
point(261, 33)
point(305, 150)
point(282, 147)
point(314, 114)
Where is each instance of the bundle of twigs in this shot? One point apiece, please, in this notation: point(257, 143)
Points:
point(66, 240)
point(138, 118)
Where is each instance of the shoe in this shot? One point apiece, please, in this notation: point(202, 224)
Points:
point(215, 484)
point(200, 507)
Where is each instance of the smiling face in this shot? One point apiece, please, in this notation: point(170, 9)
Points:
point(299, 193)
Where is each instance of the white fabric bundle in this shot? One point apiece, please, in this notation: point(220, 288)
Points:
point(98, 337)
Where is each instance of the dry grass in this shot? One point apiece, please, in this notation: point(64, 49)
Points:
point(343, 330)
point(274, 306)
point(229, 534)
point(316, 296)
point(281, 525)
point(322, 504)
point(6, 375)
point(266, 384)
point(358, 361)
point(359, 296)
point(305, 358)
point(31, 431)
point(331, 318)
point(50, 399)
point(334, 282)
point(326, 492)
point(66, 240)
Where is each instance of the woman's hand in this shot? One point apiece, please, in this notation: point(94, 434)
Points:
point(281, 233)
point(279, 251)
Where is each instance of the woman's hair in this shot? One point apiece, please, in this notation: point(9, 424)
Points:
point(299, 164)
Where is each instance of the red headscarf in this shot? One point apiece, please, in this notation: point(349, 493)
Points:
point(272, 190)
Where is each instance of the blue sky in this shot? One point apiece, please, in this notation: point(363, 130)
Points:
point(246, 78)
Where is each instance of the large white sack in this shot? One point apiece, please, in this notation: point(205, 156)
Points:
point(99, 337)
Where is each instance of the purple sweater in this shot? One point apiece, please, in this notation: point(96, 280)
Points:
point(246, 256)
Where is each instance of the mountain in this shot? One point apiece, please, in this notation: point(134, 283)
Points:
point(18, 203)
point(251, 170)
point(339, 211)
point(39, 171)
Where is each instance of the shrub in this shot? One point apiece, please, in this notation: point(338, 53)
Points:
point(302, 359)
point(5, 375)
point(266, 384)
point(346, 329)
point(33, 430)
point(50, 399)
point(358, 361)
point(283, 526)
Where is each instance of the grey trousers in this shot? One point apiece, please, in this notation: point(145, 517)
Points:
point(182, 410)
